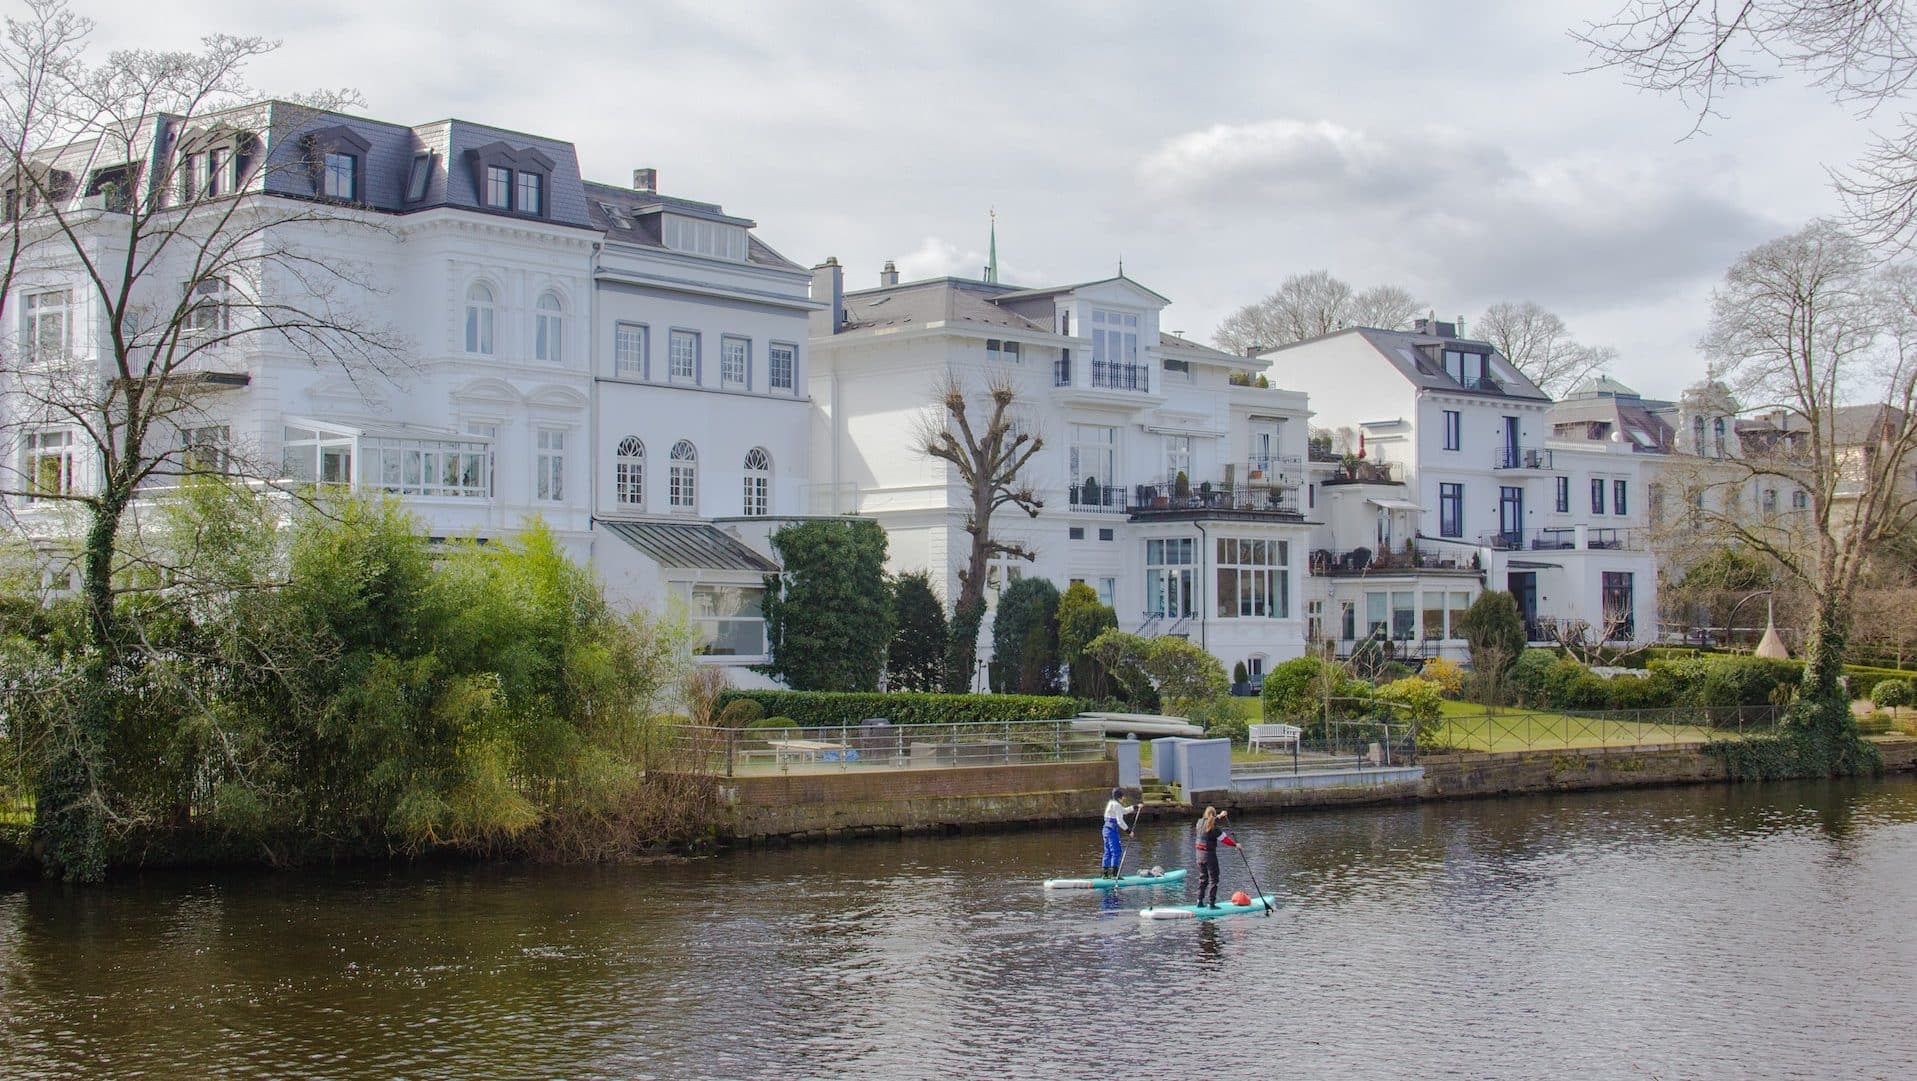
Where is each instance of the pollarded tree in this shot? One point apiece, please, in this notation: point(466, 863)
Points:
point(1538, 343)
point(828, 614)
point(990, 459)
point(151, 238)
point(915, 661)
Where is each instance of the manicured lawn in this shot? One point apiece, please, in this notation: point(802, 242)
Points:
point(1468, 727)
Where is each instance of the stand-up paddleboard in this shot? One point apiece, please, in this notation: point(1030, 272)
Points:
point(1204, 912)
point(1165, 879)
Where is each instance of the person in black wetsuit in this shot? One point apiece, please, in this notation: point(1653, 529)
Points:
point(1210, 834)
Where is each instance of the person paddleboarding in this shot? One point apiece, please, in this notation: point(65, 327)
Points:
point(1210, 834)
point(1116, 814)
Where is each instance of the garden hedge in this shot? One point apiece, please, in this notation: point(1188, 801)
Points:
point(822, 709)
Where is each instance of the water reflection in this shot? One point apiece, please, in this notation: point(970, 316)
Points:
point(1759, 930)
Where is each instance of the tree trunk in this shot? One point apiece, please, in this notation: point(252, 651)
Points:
point(961, 653)
point(1824, 653)
point(70, 816)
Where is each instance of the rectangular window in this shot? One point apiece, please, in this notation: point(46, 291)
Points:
point(1619, 606)
point(549, 466)
point(1076, 532)
point(734, 361)
point(47, 333)
point(1799, 500)
point(532, 192)
point(206, 450)
point(1404, 615)
point(417, 177)
point(1105, 534)
point(1169, 577)
point(997, 351)
point(339, 176)
point(499, 187)
point(189, 178)
point(429, 467)
point(215, 165)
point(1564, 495)
point(1177, 457)
point(1597, 495)
point(1453, 430)
point(1450, 510)
point(208, 311)
point(48, 464)
point(1617, 497)
point(630, 342)
point(729, 620)
point(1460, 601)
point(1433, 626)
point(685, 356)
point(1377, 615)
point(781, 366)
point(1107, 588)
point(1094, 457)
point(1253, 582)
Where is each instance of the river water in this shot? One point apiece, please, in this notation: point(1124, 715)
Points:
point(1752, 931)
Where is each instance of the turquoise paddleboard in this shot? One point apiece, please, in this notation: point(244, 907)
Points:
point(1201, 912)
point(1166, 879)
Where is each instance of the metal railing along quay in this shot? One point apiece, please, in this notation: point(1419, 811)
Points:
point(875, 745)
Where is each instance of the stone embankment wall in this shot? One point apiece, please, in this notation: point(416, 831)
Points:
point(806, 805)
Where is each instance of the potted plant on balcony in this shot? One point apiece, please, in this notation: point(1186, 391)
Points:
point(1181, 486)
point(1088, 492)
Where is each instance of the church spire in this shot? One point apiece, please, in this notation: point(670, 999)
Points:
point(991, 258)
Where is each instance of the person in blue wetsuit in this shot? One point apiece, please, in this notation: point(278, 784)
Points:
point(1116, 813)
point(1210, 834)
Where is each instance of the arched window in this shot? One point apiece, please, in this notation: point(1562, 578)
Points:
point(548, 322)
point(1697, 436)
point(629, 472)
point(682, 477)
point(1718, 425)
point(479, 319)
point(758, 482)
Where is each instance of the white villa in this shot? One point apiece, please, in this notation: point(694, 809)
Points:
point(1169, 489)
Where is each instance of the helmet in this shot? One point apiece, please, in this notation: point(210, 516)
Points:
point(1241, 898)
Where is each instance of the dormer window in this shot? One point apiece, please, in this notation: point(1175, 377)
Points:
point(1465, 369)
point(418, 176)
point(212, 162)
point(341, 176)
point(336, 157)
point(702, 237)
point(512, 180)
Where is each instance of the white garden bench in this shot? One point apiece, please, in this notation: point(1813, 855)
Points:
point(1284, 735)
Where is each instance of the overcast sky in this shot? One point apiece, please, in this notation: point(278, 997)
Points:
point(1216, 147)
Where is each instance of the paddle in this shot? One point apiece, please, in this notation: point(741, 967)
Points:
point(1253, 876)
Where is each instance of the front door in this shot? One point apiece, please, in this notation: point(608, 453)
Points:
point(1524, 590)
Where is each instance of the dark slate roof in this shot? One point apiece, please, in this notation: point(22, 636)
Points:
point(690, 545)
point(632, 216)
point(1052, 290)
point(933, 301)
point(1166, 338)
point(1644, 429)
point(1401, 348)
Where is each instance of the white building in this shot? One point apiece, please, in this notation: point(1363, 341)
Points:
point(1168, 489)
point(1462, 479)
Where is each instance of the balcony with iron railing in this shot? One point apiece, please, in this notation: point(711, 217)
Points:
point(1361, 560)
point(1090, 497)
point(1236, 494)
point(1509, 457)
point(1565, 539)
point(1109, 376)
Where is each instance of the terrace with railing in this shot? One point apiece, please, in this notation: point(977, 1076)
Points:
point(1564, 539)
point(1508, 457)
point(1109, 376)
point(1361, 560)
point(877, 745)
point(1242, 489)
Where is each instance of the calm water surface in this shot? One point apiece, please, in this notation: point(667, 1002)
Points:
point(1760, 931)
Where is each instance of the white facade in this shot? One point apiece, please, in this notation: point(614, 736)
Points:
point(1122, 408)
point(1459, 464)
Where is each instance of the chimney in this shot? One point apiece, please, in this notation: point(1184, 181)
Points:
point(1460, 326)
point(646, 180)
point(890, 275)
point(828, 287)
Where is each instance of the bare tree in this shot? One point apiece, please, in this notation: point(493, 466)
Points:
point(1307, 305)
point(1807, 331)
point(1864, 55)
point(151, 249)
point(1541, 346)
point(989, 461)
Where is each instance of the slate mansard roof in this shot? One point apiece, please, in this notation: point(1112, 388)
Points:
point(632, 216)
point(1419, 358)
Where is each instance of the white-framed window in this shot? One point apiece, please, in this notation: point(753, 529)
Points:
point(1114, 337)
point(499, 187)
point(684, 356)
point(207, 450)
point(682, 477)
point(1106, 588)
point(1169, 577)
point(549, 465)
point(549, 327)
point(316, 455)
point(209, 309)
point(489, 431)
point(1177, 457)
point(479, 319)
point(630, 344)
point(735, 361)
point(629, 472)
point(47, 460)
point(729, 619)
point(781, 366)
point(998, 351)
point(758, 482)
point(446, 466)
point(338, 176)
point(47, 324)
point(532, 193)
point(702, 237)
point(1253, 579)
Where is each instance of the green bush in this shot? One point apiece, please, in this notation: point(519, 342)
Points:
point(1295, 692)
point(1239, 674)
point(1874, 723)
point(1891, 693)
point(741, 713)
point(1654, 691)
point(1419, 701)
point(1722, 681)
point(1223, 718)
point(1530, 675)
point(774, 722)
point(824, 709)
point(1862, 680)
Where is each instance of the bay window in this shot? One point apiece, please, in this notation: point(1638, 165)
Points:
point(1253, 579)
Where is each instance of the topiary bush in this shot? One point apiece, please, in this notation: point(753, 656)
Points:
point(1891, 693)
point(741, 713)
point(774, 722)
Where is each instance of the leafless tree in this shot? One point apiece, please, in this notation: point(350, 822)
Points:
point(1307, 305)
point(1864, 55)
point(990, 463)
point(1541, 346)
point(149, 252)
point(1808, 331)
